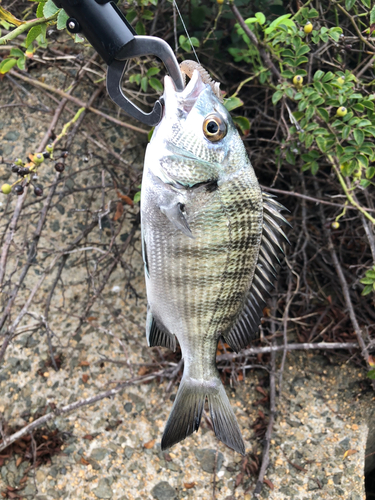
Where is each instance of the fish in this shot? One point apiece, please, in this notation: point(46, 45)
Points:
point(211, 240)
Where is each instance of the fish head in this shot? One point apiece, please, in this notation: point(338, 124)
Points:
point(197, 128)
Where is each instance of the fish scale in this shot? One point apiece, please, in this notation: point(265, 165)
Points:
point(207, 250)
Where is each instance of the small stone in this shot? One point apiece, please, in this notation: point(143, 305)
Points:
point(128, 407)
point(207, 460)
point(11, 136)
point(103, 490)
point(99, 453)
point(163, 491)
point(128, 452)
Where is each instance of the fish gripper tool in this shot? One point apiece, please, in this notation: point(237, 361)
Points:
point(111, 35)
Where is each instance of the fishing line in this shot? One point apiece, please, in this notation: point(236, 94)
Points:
point(186, 31)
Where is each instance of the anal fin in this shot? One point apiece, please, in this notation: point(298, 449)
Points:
point(157, 335)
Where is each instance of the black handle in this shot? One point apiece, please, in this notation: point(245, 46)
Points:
point(101, 22)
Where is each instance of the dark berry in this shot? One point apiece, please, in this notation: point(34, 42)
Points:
point(15, 168)
point(23, 171)
point(59, 167)
point(38, 191)
point(64, 154)
point(46, 154)
point(18, 189)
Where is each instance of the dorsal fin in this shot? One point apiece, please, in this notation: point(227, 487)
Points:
point(247, 324)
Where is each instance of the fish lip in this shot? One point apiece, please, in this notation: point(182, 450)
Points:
point(191, 91)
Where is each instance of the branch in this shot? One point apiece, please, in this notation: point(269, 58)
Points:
point(290, 347)
point(262, 51)
point(25, 27)
point(74, 406)
point(76, 101)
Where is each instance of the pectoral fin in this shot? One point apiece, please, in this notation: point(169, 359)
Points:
point(176, 215)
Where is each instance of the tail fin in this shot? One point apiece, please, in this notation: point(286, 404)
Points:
point(187, 411)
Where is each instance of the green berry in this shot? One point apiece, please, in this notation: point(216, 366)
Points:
point(308, 28)
point(6, 188)
point(340, 80)
point(49, 148)
point(335, 225)
point(342, 111)
point(38, 158)
point(298, 81)
point(19, 162)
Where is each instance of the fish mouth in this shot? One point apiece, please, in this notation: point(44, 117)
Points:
point(185, 99)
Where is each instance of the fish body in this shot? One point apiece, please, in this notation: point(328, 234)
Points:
point(202, 214)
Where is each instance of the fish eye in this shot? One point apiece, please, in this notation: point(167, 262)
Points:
point(214, 127)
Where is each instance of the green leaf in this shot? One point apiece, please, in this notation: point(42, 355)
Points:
point(21, 62)
point(147, 15)
point(358, 107)
point(144, 83)
point(318, 86)
point(367, 3)
point(368, 104)
point(6, 65)
point(152, 71)
point(358, 136)
point(248, 21)
point(370, 172)
point(34, 32)
point(62, 17)
point(301, 60)
point(318, 75)
point(312, 14)
point(371, 373)
point(321, 142)
point(49, 9)
point(328, 76)
point(314, 167)
point(366, 291)
point(39, 10)
point(308, 141)
point(372, 15)
point(131, 15)
point(137, 197)
point(260, 17)
point(349, 4)
point(232, 103)
point(15, 52)
point(287, 74)
point(363, 160)
point(370, 130)
point(304, 49)
point(277, 96)
point(140, 28)
point(345, 132)
point(328, 89)
point(290, 157)
point(364, 123)
point(243, 123)
point(155, 84)
point(323, 113)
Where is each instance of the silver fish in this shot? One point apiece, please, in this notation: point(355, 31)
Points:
point(210, 240)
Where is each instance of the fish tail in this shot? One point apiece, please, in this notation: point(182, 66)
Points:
point(187, 410)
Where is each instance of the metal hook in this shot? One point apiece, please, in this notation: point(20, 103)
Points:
point(108, 31)
point(141, 46)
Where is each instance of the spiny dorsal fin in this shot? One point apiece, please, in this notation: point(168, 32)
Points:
point(247, 324)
